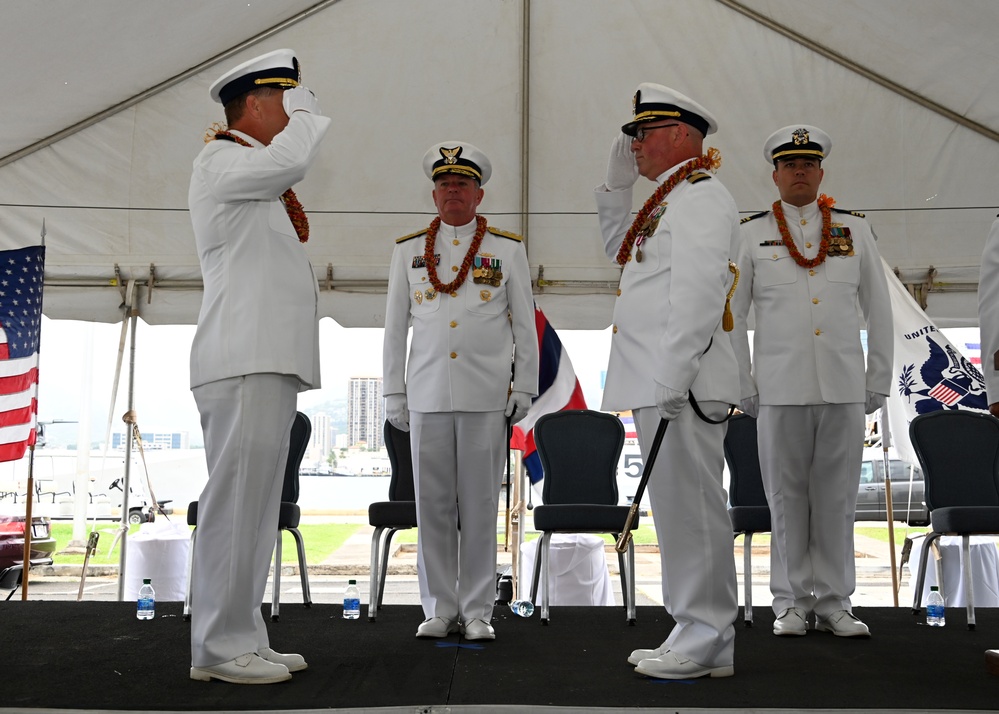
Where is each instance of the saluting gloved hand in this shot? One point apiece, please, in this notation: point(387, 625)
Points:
point(670, 402)
point(622, 169)
point(300, 99)
point(751, 405)
point(397, 410)
point(874, 402)
point(517, 405)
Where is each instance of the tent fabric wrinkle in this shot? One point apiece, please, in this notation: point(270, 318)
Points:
point(397, 77)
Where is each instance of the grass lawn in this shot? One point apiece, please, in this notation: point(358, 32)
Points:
point(321, 539)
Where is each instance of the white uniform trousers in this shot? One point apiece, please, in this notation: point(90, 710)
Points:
point(247, 426)
point(694, 531)
point(457, 468)
point(810, 458)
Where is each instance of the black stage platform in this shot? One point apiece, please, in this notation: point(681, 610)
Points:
point(96, 656)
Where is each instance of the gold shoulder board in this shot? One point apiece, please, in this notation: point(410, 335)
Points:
point(753, 217)
point(698, 176)
point(858, 214)
point(411, 235)
point(505, 234)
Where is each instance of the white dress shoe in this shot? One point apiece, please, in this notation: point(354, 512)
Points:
point(477, 629)
point(437, 627)
point(638, 655)
point(673, 666)
point(294, 662)
point(250, 668)
point(843, 624)
point(791, 623)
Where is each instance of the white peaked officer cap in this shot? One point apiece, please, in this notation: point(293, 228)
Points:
point(654, 102)
point(457, 157)
point(277, 69)
point(797, 140)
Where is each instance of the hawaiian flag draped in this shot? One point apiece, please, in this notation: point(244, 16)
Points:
point(21, 279)
point(929, 373)
point(558, 389)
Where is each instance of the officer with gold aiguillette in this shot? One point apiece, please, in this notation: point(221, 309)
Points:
point(465, 288)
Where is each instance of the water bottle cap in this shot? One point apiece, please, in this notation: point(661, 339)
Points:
point(146, 581)
point(933, 588)
point(352, 582)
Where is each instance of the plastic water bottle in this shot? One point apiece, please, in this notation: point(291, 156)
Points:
point(145, 606)
point(935, 608)
point(351, 601)
point(522, 608)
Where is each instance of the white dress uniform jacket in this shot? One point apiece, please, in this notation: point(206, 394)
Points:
point(462, 344)
point(259, 311)
point(660, 329)
point(988, 312)
point(807, 347)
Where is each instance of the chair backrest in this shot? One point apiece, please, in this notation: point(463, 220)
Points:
point(401, 459)
point(579, 451)
point(959, 453)
point(742, 454)
point(301, 433)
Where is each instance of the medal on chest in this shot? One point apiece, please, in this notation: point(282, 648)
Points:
point(648, 229)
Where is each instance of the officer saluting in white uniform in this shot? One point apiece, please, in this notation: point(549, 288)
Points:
point(255, 348)
point(465, 288)
point(669, 341)
point(807, 267)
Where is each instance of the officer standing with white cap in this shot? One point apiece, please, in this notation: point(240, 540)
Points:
point(465, 287)
point(669, 342)
point(255, 348)
point(806, 267)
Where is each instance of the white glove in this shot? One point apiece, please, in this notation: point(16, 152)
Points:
point(622, 169)
point(517, 405)
point(874, 402)
point(751, 405)
point(396, 409)
point(670, 402)
point(300, 99)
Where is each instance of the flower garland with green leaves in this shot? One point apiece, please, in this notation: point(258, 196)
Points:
point(710, 161)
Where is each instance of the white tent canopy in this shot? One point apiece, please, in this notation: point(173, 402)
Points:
point(107, 104)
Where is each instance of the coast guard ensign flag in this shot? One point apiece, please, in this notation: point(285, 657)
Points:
point(21, 278)
point(558, 389)
point(929, 373)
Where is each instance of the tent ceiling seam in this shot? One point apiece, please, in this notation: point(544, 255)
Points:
point(862, 71)
point(164, 85)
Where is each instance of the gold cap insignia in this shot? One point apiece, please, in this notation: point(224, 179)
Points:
point(451, 155)
point(799, 136)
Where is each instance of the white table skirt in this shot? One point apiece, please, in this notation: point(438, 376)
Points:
point(577, 569)
point(984, 570)
point(159, 552)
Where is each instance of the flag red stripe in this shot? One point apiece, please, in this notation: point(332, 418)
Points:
point(15, 451)
point(24, 415)
point(18, 382)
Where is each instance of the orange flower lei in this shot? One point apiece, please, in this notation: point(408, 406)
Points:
point(291, 203)
point(466, 264)
point(710, 161)
point(825, 205)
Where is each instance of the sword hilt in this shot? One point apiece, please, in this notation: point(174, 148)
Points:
point(622, 540)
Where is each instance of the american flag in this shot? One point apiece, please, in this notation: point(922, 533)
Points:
point(21, 279)
point(946, 394)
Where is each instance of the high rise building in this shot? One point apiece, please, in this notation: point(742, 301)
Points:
point(365, 412)
point(319, 447)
